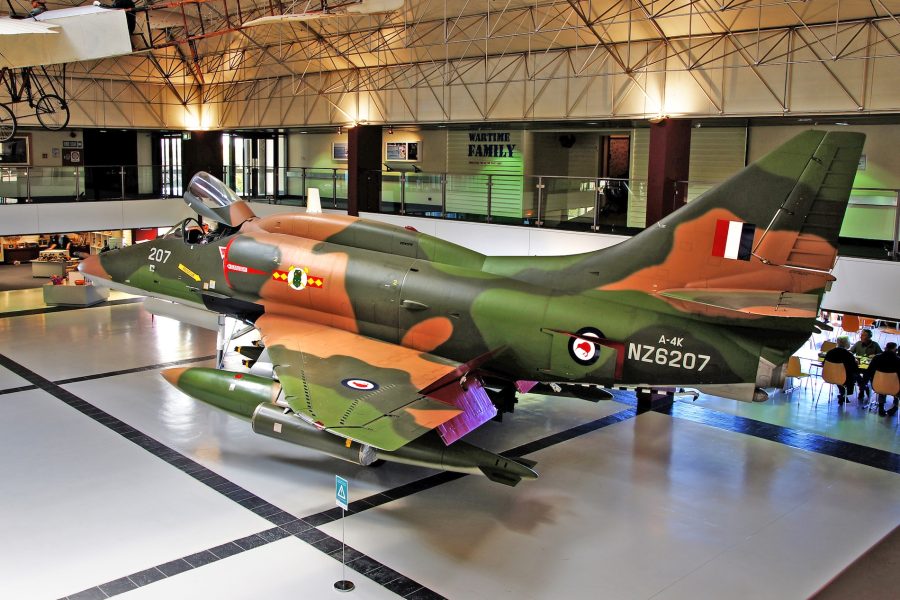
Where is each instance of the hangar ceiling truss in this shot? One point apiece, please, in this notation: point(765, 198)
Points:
point(473, 60)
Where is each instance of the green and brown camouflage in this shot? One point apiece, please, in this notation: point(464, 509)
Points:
point(373, 329)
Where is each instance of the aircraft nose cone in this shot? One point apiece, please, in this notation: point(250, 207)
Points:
point(91, 266)
point(173, 375)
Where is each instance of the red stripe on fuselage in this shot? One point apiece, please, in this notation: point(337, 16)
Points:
point(228, 266)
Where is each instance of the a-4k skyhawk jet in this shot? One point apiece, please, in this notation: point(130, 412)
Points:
point(385, 343)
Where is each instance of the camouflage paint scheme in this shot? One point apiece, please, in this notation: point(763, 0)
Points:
point(340, 299)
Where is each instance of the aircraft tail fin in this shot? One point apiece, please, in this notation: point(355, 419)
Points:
point(773, 226)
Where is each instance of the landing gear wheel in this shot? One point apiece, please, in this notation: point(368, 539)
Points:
point(7, 123)
point(52, 112)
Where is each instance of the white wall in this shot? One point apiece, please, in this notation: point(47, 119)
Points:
point(16, 219)
point(865, 287)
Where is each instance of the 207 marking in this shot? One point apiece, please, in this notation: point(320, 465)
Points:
point(667, 357)
point(159, 255)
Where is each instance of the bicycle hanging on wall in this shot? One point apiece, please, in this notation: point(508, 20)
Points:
point(24, 85)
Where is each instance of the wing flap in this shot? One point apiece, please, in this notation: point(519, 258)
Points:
point(356, 387)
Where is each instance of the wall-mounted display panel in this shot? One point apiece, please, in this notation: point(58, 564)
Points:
point(339, 151)
point(16, 150)
point(402, 151)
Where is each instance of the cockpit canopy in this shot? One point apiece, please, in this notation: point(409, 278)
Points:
point(214, 200)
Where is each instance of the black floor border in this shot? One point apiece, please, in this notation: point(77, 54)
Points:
point(307, 529)
point(420, 485)
point(285, 523)
point(16, 390)
point(165, 365)
point(56, 309)
point(794, 438)
point(300, 529)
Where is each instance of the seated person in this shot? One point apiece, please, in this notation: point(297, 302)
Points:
point(841, 354)
point(867, 347)
point(886, 362)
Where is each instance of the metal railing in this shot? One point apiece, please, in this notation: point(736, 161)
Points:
point(575, 203)
point(24, 184)
point(871, 227)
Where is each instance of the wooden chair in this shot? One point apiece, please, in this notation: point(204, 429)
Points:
point(827, 345)
point(795, 371)
point(834, 373)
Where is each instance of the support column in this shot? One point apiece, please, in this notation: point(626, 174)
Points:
point(202, 152)
point(670, 150)
point(364, 166)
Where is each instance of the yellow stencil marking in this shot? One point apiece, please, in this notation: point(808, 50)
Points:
point(188, 272)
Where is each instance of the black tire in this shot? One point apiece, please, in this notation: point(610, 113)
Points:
point(52, 111)
point(7, 123)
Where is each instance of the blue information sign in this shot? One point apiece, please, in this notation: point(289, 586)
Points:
point(341, 491)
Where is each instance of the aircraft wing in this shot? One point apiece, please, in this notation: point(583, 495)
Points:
point(353, 386)
point(25, 27)
point(24, 43)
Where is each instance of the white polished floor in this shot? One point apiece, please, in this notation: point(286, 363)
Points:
point(653, 506)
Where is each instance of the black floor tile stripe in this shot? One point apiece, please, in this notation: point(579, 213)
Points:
point(286, 524)
point(364, 504)
point(158, 366)
point(306, 528)
point(804, 440)
point(16, 390)
point(56, 309)
point(795, 438)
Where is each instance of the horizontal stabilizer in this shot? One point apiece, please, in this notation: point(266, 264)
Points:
point(753, 302)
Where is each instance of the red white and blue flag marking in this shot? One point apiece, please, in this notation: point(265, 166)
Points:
point(733, 239)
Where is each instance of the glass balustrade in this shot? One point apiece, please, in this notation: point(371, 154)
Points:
point(870, 227)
